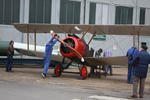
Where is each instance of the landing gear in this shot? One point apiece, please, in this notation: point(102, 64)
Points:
point(58, 71)
point(83, 72)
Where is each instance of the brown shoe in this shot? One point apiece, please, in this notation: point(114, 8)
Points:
point(141, 97)
point(134, 96)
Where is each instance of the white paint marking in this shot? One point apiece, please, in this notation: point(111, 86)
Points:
point(105, 98)
point(75, 99)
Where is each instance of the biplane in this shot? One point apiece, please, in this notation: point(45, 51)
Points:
point(77, 50)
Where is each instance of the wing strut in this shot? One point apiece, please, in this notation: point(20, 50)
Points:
point(91, 38)
point(85, 33)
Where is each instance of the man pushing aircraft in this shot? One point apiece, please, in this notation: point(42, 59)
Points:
point(48, 52)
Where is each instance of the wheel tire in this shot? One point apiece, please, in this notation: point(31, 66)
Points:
point(58, 71)
point(84, 73)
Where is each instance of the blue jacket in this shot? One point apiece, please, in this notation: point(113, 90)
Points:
point(140, 62)
point(131, 53)
point(49, 46)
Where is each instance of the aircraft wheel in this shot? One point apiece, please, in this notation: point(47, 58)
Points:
point(84, 73)
point(58, 71)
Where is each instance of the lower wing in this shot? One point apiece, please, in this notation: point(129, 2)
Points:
point(22, 49)
point(120, 60)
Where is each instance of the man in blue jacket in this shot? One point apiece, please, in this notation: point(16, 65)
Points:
point(140, 63)
point(131, 52)
point(48, 53)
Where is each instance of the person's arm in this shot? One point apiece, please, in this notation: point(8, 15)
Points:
point(149, 58)
point(57, 37)
point(61, 41)
point(127, 54)
point(8, 51)
point(135, 59)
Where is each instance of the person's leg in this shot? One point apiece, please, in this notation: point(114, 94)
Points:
point(135, 86)
point(110, 69)
point(132, 75)
point(105, 69)
point(10, 64)
point(47, 62)
point(141, 88)
point(129, 73)
point(46, 65)
point(7, 64)
point(92, 71)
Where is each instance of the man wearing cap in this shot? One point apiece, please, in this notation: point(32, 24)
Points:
point(140, 64)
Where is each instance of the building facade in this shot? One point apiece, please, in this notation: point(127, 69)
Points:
point(75, 12)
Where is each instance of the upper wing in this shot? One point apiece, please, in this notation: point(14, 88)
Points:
point(120, 60)
point(78, 28)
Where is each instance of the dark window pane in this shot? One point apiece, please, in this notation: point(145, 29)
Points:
point(76, 18)
point(130, 16)
point(92, 13)
point(7, 12)
point(47, 16)
point(39, 11)
point(1, 12)
point(142, 15)
point(124, 15)
point(32, 12)
point(16, 10)
point(118, 15)
point(63, 11)
point(69, 12)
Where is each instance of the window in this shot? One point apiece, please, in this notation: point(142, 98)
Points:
point(40, 11)
point(92, 13)
point(124, 15)
point(9, 11)
point(70, 12)
point(142, 15)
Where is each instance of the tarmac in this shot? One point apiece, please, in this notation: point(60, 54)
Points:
point(27, 84)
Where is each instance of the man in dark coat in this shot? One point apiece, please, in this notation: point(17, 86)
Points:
point(10, 53)
point(140, 63)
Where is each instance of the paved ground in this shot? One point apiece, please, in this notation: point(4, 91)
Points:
point(27, 84)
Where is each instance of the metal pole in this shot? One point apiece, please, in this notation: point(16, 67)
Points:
point(84, 11)
point(35, 41)
point(28, 41)
point(28, 37)
point(138, 41)
point(136, 5)
point(134, 40)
